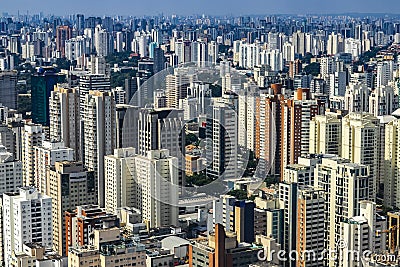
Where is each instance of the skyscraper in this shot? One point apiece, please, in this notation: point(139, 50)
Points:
point(159, 60)
point(157, 177)
point(176, 88)
point(120, 179)
point(27, 218)
point(8, 90)
point(326, 134)
point(391, 164)
point(98, 135)
point(32, 135)
point(46, 155)
point(103, 41)
point(63, 34)
point(10, 172)
point(69, 185)
point(222, 142)
point(92, 82)
point(342, 198)
point(43, 83)
point(131, 87)
point(80, 23)
point(247, 117)
point(296, 116)
point(288, 194)
point(360, 137)
point(268, 139)
point(310, 221)
point(163, 129)
point(65, 118)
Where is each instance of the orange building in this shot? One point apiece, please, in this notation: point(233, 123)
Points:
point(221, 249)
point(79, 224)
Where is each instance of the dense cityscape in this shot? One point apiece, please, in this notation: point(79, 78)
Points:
point(199, 140)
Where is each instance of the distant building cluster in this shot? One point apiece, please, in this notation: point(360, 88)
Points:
point(199, 141)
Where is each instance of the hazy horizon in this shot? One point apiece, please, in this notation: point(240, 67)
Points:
point(191, 7)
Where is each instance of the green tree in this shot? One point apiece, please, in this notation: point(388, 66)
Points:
point(270, 180)
point(198, 179)
point(63, 63)
point(191, 139)
point(24, 104)
point(120, 57)
point(238, 194)
point(118, 78)
point(307, 58)
point(313, 69)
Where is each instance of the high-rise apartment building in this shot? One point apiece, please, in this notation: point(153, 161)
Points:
point(345, 185)
point(222, 141)
point(15, 127)
point(176, 88)
point(362, 233)
point(63, 34)
point(98, 132)
point(10, 172)
point(335, 43)
point(391, 164)
point(298, 173)
point(163, 129)
point(383, 101)
point(46, 155)
point(326, 134)
point(65, 118)
point(103, 41)
point(296, 117)
point(7, 138)
point(32, 135)
point(69, 185)
point(299, 43)
point(384, 73)
point(157, 179)
point(356, 98)
point(268, 139)
point(27, 218)
point(92, 82)
point(381, 171)
point(337, 83)
point(247, 117)
point(310, 221)
point(120, 179)
point(360, 136)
